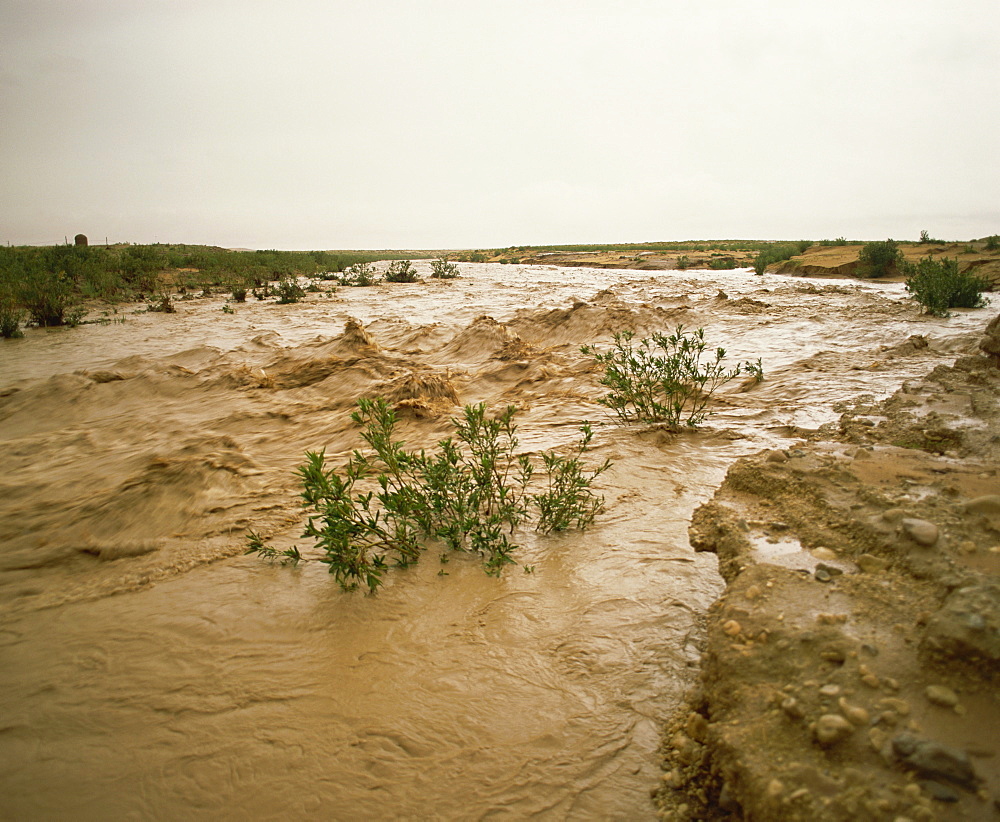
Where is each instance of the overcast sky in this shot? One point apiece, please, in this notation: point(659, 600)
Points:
point(440, 124)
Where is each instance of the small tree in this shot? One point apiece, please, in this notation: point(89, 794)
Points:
point(938, 285)
point(878, 259)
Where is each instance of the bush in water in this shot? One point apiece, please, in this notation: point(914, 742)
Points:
point(443, 270)
point(938, 286)
point(663, 379)
point(400, 271)
point(471, 494)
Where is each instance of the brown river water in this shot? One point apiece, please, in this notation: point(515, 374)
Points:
point(150, 670)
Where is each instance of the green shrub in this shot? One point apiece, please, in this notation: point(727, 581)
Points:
point(359, 275)
point(938, 285)
point(776, 254)
point(289, 291)
point(838, 241)
point(10, 321)
point(663, 379)
point(400, 271)
point(993, 242)
point(722, 263)
point(567, 500)
point(683, 262)
point(443, 270)
point(471, 494)
point(162, 304)
point(879, 259)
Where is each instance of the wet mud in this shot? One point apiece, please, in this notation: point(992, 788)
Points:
point(851, 668)
point(149, 669)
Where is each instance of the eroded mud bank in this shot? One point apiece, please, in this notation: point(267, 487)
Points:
point(150, 669)
point(851, 667)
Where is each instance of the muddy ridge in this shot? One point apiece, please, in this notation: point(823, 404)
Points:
point(850, 669)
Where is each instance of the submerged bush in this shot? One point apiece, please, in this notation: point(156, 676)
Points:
point(443, 270)
point(289, 291)
point(359, 275)
point(10, 320)
point(664, 378)
point(471, 494)
point(938, 285)
point(879, 259)
point(400, 271)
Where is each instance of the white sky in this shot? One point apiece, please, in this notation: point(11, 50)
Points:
point(460, 123)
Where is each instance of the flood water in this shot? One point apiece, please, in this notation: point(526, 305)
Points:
point(150, 670)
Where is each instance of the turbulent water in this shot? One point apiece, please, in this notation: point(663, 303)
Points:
point(148, 669)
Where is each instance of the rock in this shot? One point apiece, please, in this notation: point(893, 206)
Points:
point(790, 705)
point(871, 564)
point(932, 759)
point(942, 793)
point(968, 625)
point(854, 714)
point(777, 456)
point(988, 504)
point(829, 690)
point(893, 514)
point(990, 343)
point(920, 531)
point(898, 706)
point(877, 738)
point(697, 727)
point(731, 627)
point(822, 553)
point(822, 575)
point(942, 696)
point(830, 569)
point(831, 729)
point(80, 239)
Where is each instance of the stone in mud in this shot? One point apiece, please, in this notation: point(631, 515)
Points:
point(831, 729)
point(941, 696)
point(968, 625)
point(988, 504)
point(990, 343)
point(871, 564)
point(920, 531)
point(934, 760)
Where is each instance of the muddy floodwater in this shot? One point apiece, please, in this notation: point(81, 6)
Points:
point(150, 670)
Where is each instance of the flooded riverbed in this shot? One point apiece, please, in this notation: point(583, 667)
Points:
point(150, 670)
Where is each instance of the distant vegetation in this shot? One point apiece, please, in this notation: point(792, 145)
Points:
point(44, 286)
point(778, 253)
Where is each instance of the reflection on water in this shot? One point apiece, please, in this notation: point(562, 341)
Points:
point(149, 670)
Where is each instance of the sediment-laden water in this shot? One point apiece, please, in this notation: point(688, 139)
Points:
point(148, 669)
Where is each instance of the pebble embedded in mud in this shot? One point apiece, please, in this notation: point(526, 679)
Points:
point(871, 564)
point(731, 627)
point(941, 696)
point(854, 714)
point(831, 729)
point(920, 531)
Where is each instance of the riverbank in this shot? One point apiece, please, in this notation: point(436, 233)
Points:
point(850, 668)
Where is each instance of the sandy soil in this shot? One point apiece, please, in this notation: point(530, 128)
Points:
point(851, 667)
